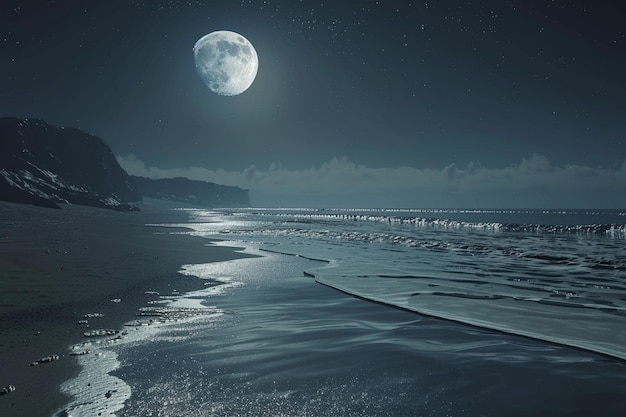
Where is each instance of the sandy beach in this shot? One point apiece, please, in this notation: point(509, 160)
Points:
point(56, 266)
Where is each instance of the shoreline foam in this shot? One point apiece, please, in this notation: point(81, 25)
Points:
point(57, 266)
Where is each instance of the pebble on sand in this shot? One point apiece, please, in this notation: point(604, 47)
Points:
point(47, 359)
point(7, 390)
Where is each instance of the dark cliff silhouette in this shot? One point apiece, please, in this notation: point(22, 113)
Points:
point(44, 165)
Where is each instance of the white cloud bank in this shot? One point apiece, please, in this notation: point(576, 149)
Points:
point(534, 182)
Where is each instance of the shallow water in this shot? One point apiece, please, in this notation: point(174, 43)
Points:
point(554, 280)
point(279, 343)
point(287, 346)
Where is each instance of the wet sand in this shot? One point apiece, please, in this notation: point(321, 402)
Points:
point(56, 266)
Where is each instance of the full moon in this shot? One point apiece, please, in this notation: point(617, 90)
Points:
point(226, 61)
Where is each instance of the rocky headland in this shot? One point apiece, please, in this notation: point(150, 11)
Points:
point(46, 166)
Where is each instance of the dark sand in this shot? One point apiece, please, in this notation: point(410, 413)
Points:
point(58, 265)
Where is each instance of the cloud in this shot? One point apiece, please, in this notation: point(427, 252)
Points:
point(342, 179)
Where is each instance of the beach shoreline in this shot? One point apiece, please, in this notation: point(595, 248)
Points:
point(59, 265)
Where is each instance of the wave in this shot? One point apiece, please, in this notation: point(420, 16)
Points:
point(475, 310)
point(471, 247)
point(612, 229)
point(558, 281)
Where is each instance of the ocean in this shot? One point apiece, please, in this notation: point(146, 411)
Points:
point(378, 312)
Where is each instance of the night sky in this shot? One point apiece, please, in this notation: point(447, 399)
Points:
point(487, 103)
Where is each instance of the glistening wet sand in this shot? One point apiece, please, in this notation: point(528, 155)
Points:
point(58, 265)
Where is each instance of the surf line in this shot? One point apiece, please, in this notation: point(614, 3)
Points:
point(604, 354)
point(295, 254)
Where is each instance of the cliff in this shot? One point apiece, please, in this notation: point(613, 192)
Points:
point(44, 165)
point(199, 193)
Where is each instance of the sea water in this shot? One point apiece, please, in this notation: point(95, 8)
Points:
point(390, 313)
